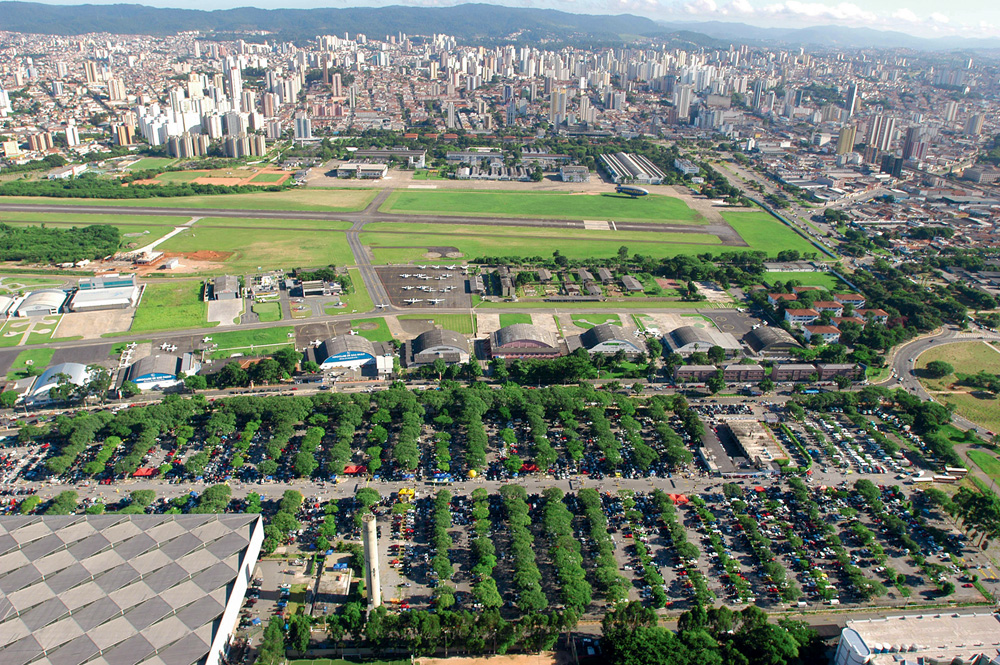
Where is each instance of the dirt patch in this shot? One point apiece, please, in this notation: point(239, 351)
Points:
point(149, 181)
point(225, 182)
point(667, 283)
point(203, 255)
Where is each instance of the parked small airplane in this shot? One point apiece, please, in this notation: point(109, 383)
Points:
point(412, 301)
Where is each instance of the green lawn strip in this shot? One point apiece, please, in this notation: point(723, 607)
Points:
point(45, 338)
point(265, 248)
point(825, 280)
point(256, 337)
point(646, 303)
point(460, 323)
point(39, 360)
point(987, 462)
point(356, 301)
point(766, 233)
point(119, 348)
point(267, 312)
point(378, 333)
point(275, 225)
point(171, 306)
point(313, 198)
point(588, 321)
point(511, 319)
point(518, 232)
point(402, 248)
point(552, 205)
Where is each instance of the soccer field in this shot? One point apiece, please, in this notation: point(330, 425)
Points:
point(547, 205)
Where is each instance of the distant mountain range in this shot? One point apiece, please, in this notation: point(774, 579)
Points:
point(468, 22)
point(827, 35)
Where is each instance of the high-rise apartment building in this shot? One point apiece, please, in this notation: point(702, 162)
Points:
point(851, 101)
point(72, 134)
point(881, 131)
point(303, 127)
point(974, 125)
point(846, 139)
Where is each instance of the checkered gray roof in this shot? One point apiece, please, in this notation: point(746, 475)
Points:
point(116, 589)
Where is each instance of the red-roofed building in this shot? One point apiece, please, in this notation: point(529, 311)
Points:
point(828, 334)
point(774, 298)
point(876, 315)
point(798, 317)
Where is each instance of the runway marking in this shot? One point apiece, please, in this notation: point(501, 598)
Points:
point(421, 186)
point(596, 225)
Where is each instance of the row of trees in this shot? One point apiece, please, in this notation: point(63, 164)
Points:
point(89, 186)
point(610, 582)
point(527, 577)
point(564, 551)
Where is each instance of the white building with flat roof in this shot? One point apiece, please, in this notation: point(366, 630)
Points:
point(920, 638)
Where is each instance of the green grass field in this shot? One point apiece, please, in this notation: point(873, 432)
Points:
point(170, 307)
point(634, 303)
point(548, 205)
point(313, 198)
point(267, 178)
point(134, 228)
point(966, 358)
point(375, 330)
point(150, 163)
point(825, 280)
point(987, 462)
point(766, 233)
point(39, 360)
point(275, 225)
point(392, 248)
point(511, 319)
point(428, 174)
point(263, 340)
point(264, 247)
point(359, 300)
point(588, 321)
point(460, 323)
point(267, 312)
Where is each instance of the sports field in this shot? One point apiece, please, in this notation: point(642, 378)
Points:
point(268, 178)
point(824, 280)
point(264, 247)
point(150, 163)
point(766, 233)
point(460, 323)
point(314, 198)
point(544, 205)
point(966, 358)
point(171, 306)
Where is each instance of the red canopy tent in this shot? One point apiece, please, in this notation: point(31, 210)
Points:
point(352, 469)
point(145, 472)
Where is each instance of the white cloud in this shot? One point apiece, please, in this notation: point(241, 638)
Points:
point(803, 13)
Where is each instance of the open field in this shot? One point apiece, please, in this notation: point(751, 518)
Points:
point(170, 307)
point(987, 462)
point(766, 233)
point(263, 340)
point(460, 323)
point(38, 359)
point(518, 232)
point(150, 163)
point(267, 248)
point(511, 319)
point(653, 208)
point(374, 329)
point(405, 248)
point(588, 321)
point(267, 311)
point(326, 200)
point(276, 225)
point(966, 358)
point(824, 280)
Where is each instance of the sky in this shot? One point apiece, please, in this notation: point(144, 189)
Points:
point(924, 18)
